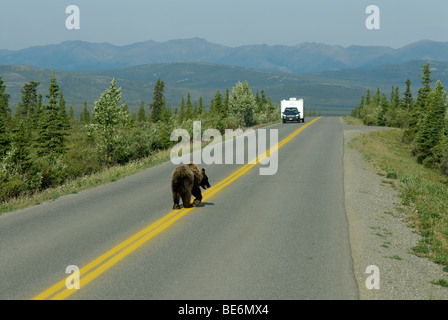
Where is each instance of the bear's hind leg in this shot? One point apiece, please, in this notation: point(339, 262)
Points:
point(186, 198)
point(176, 199)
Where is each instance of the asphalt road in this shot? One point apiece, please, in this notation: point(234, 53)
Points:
point(282, 236)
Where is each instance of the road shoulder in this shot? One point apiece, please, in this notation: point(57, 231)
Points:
point(380, 237)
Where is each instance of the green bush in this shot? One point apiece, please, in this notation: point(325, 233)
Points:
point(53, 171)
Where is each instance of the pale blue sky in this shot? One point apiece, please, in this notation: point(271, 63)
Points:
point(25, 23)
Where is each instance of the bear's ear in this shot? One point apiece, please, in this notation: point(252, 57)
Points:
point(203, 170)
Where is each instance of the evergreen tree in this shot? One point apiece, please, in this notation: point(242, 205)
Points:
point(182, 110)
point(158, 101)
point(189, 109)
point(356, 113)
point(201, 108)
point(167, 113)
point(272, 110)
point(227, 103)
point(395, 98)
point(85, 115)
point(368, 98)
point(433, 125)
point(40, 109)
point(21, 144)
point(5, 139)
point(384, 103)
point(27, 107)
point(72, 116)
point(407, 100)
point(141, 117)
point(218, 106)
point(19, 115)
point(65, 120)
point(425, 91)
point(418, 111)
point(195, 110)
point(262, 107)
point(51, 128)
point(377, 97)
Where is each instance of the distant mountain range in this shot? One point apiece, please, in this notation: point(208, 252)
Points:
point(303, 58)
point(334, 92)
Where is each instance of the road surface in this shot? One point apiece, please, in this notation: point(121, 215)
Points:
point(282, 236)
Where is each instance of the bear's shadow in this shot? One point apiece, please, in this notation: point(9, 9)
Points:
point(204, 204)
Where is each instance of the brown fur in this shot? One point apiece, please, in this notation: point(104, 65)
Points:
point(186, 181)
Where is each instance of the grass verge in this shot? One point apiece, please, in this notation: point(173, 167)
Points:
point(424, 191)
point(353, 121)
point(74, 186)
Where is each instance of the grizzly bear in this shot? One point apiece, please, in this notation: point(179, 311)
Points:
point(186, 180)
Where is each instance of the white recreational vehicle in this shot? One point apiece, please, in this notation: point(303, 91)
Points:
point(292, 110)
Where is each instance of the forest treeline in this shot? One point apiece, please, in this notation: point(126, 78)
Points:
point(424, 119)
point(42, 145)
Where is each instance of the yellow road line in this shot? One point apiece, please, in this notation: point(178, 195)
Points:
point(119, 252)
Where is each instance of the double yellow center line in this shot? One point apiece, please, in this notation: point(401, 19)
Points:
point(59, 291)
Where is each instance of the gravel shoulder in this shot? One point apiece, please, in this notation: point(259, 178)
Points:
point(379, 234)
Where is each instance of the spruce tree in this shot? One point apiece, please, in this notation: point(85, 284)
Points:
point(227, 103)
point(384, 103)
point(433, 125)
point(368, 97)
point(167, 112)
point(40, 109)
point(85, 115)
point(21, 144)
point(195, 110)
point(263, 101)
point(395, 98)
point(407, 101)
point(64, 117)
point(356, 113)
point(418, 111)
point(5, 139)
point(141, 117)
point(51, 129)
point(425, 91)
point(377, 97)
point(18, 115)
point(189, 108)
point(72, 116)
point(182, 110)
point(29, 102)
point(158, 101)
point(218, 104)
point(200, 107)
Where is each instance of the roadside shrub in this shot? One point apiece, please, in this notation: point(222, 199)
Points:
point(53, 171)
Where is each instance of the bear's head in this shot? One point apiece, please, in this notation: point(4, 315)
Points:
point(204, 182)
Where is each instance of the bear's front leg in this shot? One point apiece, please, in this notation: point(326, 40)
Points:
point(198, 196)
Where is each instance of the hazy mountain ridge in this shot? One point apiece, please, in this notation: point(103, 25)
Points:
point(302, 58)
point(331, 92)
